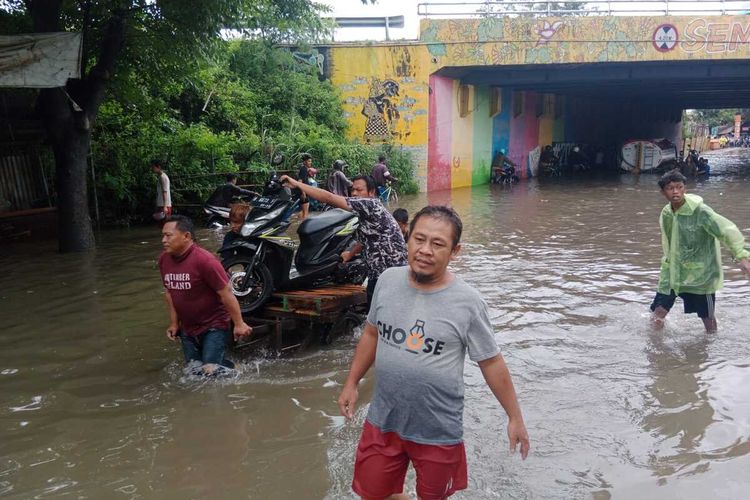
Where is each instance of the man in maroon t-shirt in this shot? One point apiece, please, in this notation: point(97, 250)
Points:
point(199, 298)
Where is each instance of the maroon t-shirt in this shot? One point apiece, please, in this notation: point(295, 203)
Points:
point(193, 280)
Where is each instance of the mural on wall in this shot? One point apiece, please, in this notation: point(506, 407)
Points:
point(464, 42)
point(381, 111)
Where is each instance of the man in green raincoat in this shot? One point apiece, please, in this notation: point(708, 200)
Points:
point(691, 266)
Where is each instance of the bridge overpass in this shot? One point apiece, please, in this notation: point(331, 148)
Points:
point(470, 87)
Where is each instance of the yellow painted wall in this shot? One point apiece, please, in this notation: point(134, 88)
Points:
point(385, 89)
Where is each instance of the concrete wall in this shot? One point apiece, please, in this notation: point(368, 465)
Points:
point(392, 94)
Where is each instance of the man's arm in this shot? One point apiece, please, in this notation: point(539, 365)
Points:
point(364, 357)
point(241, 329)
point(174, 323)
point(321, 195)
point(730, 236)
point(238, 191)
point(498, 379)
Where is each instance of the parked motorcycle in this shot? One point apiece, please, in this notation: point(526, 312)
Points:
point(508, 175)
point(260, 261)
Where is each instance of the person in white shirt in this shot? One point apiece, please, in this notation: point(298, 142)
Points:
point(163, 194)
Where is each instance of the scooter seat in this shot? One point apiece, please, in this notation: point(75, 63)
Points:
point(329, 218)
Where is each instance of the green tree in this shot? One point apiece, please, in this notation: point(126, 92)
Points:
point(124, 40)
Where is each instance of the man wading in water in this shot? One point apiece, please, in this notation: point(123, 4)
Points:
point(691, 265)
point(199, 298)
point(422, 322)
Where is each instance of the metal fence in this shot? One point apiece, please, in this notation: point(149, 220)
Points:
point(491, 8)
point(23, 181)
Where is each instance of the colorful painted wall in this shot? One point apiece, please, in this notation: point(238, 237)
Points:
point(393, 92)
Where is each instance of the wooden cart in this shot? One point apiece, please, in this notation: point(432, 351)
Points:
point(300, 318)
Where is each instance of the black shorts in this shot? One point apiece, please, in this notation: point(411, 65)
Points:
point(703, 305)
point(301, 196)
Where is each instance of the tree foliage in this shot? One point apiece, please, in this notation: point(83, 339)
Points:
point(160, 79)
point(251, 100)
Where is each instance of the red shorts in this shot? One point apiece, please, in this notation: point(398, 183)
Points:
point(383, 457)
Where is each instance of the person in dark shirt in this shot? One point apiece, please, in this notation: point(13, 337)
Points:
point(337, 182)
point(379, 238)
point(224, 194)
point(381, 176)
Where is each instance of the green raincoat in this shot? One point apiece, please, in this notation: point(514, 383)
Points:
point(692, 256)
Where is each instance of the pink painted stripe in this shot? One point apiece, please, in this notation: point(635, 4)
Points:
point(439, 134)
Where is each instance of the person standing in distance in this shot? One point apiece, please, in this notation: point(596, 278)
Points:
point(691, 265)
point(199, 298)
point(382, 176)
point(163, 193)
point(422, 322)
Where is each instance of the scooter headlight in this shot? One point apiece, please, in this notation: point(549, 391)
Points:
point(253, 225)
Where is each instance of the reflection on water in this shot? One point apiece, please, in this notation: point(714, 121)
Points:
point(94, 403)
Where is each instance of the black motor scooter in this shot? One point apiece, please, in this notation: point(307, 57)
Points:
point(259, 261)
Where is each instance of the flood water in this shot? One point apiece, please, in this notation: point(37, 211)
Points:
point(93, 402)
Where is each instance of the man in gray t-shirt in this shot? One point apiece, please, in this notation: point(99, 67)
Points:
point(422, 322)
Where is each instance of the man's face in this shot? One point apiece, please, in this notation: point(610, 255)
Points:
point(430, 248)
point(307, 163)
point(674, 192)
point(235, 225)
point(359, 190)
point(174, 241)
point(404, 226)
point(156, 169)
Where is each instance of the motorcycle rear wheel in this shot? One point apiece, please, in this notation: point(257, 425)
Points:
point(260, 284)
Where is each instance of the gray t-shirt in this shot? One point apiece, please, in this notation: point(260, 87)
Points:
point(419, 366)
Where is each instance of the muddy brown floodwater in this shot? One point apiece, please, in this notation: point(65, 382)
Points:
point(93, 402)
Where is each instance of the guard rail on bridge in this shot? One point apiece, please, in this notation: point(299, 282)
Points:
point(490, 8)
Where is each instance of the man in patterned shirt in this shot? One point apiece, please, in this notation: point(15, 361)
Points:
point(379, 238)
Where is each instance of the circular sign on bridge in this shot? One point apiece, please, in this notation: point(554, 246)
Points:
point(665, 37)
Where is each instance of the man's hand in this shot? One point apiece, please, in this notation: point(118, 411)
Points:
point(172, 332)
point(348, 401)
point(745, 266)
point(346, 256)
point(517, 435)
point(285, 180)
point(242, 329)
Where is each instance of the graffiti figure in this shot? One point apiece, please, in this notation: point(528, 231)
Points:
point(547, 31)
point(381, 112)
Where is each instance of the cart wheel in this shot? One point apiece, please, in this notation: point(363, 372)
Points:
point(344, 325)
point(327, 334)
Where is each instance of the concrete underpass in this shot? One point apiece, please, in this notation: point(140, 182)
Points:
point(469, 88)
point(599, 104)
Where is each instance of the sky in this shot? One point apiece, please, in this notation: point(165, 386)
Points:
point(355, 8)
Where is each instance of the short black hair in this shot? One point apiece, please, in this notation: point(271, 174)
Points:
point(369, 181)
point(443, 213)
point(381, 157)
point(156, 162)
point(401, 215)
point(306, 156)
point(673, 175)
point(230, 177)
point(183, 224)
